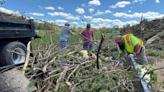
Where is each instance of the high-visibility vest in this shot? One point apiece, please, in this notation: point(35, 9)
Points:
point(128, 43)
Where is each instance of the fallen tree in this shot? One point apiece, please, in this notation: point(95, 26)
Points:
point(75, 70)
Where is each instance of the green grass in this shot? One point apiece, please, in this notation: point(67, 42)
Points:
point(56, 37)
point(48, 30)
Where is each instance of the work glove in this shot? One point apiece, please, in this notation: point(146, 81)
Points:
point(93, 50)
point(81, 42)
point(132, 55)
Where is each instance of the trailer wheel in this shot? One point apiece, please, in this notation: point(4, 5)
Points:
point(9, 58)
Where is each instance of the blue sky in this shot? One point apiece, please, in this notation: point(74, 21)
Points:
point(99, 13)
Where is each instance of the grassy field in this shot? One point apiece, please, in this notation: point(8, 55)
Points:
point(56, 37)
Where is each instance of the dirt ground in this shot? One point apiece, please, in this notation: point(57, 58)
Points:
point(160, 76)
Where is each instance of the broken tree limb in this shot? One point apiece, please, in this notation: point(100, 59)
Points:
point(52, 54)
point(16, 52)
point(50, 73)
point(50, 83)
point(102, 39)
point(61, 78)
point(76, 69)
point(52, 76)
point(72, 72)
point(74, 87)
point(27, 57)
point(45, 67)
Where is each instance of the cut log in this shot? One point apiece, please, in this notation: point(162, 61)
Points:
point(14, 81)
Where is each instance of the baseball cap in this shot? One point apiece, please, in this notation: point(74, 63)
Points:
point(88, 25)
point(66, 23)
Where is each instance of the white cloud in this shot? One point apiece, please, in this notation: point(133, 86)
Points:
point(80, 10)
point(104, 25)
point(91, 10)
point(83, 5)
point(39, 21)
point(83, 22)
point(60, 24)
point(157, 1)
point(148, 15)
point(87, 17)
point(113, 6)
point(141, 1)
point(51, 21)
point(93, 26)
point(37, 14)
point(29, 17)
point(9, 11)
point(40, 7)
point(108, 11)
point(120, 4)
point(60, 8)
point(100, 25)
point(49, 8)
point(129, 11)
point(66, 15)
point(120, 23)
point(94, 2)
point(124, 15)
point(42, 21)
point(100, 20)
point(101, 13)
point(74, 23)
point(61, 21)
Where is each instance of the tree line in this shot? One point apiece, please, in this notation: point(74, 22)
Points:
point(52, 26)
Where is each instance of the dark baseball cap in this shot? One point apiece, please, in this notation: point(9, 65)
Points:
point(88, 25)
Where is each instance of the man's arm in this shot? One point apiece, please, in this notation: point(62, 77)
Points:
point(122, 55)
point(81, 38)
point(72, 33)
point(136, 48)
point(135, 43)
point(93, 36)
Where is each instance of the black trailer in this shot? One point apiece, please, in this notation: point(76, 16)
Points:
point(15, 33)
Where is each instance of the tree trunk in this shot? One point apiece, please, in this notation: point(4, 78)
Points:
point(14, 81)
point(152, 39)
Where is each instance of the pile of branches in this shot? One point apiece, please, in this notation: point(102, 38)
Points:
point(51, 69)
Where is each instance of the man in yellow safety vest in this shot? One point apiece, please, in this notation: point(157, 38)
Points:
point(134, 48)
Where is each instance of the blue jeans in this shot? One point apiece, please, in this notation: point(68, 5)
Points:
point(85, 46)
point(63, 45)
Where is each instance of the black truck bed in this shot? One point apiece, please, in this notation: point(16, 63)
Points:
point(16, 28)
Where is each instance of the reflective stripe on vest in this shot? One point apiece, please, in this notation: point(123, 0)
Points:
point(128, 39)
point(118, 46)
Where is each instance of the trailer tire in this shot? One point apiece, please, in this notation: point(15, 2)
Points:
point(9, 58)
